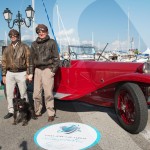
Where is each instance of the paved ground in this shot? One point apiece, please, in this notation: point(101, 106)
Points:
point(104, 119)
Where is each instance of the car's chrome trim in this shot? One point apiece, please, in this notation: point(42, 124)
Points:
point(60, 95)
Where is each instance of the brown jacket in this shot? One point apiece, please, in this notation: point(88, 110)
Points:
point(45, 54)
point(16, 59)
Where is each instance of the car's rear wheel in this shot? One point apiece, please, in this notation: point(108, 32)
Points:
point(131, 107)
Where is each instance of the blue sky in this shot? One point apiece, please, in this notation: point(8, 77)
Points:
point(88, 21)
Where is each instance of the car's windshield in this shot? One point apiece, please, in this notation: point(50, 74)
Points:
point(83, 50)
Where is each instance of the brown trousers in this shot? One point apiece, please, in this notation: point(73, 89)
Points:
point(43, 79)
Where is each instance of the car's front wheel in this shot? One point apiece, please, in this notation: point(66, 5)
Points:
point(131, 107)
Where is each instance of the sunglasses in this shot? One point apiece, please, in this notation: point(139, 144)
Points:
point(41, 30)
point(13, 36)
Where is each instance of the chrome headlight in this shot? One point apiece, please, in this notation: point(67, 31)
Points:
point(146, 67)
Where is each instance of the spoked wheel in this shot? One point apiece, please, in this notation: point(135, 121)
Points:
point(66, 63)
point(131, 107)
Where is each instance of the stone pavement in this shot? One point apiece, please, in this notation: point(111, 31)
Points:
point(18, 137)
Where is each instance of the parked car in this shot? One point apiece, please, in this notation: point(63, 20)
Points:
point(122, 85)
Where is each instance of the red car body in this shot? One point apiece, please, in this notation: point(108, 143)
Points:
point(124, 85)
point(95, 82)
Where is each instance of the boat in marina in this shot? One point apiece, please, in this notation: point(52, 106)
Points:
point(141, 58)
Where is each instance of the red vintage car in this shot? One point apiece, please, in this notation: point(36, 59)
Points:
point(124, 86)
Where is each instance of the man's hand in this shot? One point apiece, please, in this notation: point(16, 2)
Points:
point(29, 77)
point(52, 74)
point(4, 79)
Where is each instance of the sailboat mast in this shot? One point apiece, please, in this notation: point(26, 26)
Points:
point(118, 42)
point(139, 44)
point(128, 29)
point(33, 27)
point(92, 39)
point(59, 17)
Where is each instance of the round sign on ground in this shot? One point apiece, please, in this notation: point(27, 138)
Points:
point(69, 135)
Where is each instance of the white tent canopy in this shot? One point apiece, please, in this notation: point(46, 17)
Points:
point(147, 51)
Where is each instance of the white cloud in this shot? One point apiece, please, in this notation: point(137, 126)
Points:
point(67, 41)
point(27, 33)
point(66, 37)
point(27, 37)
point(118, 45)
point(65, 32)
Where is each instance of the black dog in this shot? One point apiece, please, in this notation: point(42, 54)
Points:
point(23, 112)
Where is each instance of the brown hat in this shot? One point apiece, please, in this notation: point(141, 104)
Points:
point(13, 32)
point(41, 27)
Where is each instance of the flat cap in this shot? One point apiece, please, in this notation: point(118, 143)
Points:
point(41, 27)
point(13, 32)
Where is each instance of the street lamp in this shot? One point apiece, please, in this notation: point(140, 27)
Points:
point(19, 20)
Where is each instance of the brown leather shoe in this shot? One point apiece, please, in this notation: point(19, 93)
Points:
point(50, 118)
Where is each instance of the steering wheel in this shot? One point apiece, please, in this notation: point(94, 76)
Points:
point(66, 63)
point(73, 55)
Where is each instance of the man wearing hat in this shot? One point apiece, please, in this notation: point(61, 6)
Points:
point(15, 69)
point(46, 61)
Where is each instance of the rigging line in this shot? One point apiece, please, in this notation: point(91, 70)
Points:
point(59, 17)
point(50, 25)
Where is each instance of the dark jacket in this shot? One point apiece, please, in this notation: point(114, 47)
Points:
point(45, 54)
point(16, 59)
